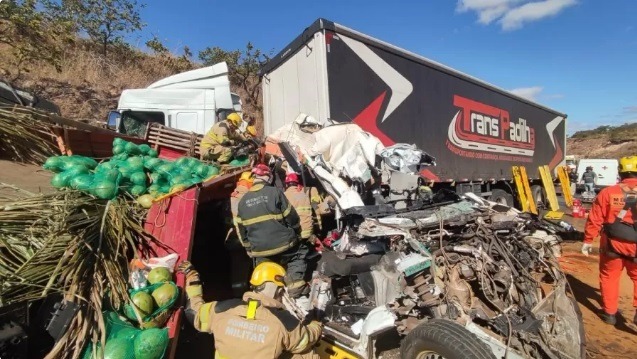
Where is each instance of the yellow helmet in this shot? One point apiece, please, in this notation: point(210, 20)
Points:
point(268, 272)
point(246, 176)
point(234, 119)
point(628, 164)
point(251, 130)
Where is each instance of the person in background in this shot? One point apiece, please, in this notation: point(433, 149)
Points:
point(217, 144)
point(572, 176)
point(614, 214)
point(272, 229)
point(589, 178)
point(256, 326)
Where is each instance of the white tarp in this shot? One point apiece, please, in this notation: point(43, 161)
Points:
point(347, 149)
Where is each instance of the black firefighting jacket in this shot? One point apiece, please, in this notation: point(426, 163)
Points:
point(267, 221)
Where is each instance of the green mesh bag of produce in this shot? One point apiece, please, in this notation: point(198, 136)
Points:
point(164, 294)
point(123, 341)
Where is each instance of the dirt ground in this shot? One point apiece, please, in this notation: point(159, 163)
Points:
point(30, 178)
point(603, 341)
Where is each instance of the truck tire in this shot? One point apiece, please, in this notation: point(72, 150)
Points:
point(443, 339)
point(501, 196)
point(539, 195)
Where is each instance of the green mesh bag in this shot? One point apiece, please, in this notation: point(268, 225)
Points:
point(123, 341)
point(160, 315)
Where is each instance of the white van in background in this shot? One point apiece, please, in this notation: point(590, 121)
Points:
point(606, 170)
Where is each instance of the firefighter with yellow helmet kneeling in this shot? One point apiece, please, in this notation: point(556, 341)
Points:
point(256, 326)
point(217, 143)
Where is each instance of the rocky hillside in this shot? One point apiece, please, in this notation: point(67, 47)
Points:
point(604, 142)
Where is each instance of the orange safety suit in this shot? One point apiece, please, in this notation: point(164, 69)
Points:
point(615, 254)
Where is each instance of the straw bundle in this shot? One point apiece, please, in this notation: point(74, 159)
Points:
point(25, 138)
point(75, 244)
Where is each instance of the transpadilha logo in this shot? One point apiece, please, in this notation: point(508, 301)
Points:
point(482, 131)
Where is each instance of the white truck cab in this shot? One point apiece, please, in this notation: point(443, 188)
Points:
point(191, 101)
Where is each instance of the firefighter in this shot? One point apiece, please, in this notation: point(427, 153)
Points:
point(256, 326)
point(614, 213)
point(217, 143)
point(240, 262)
point(306, 201)
point(271, 228)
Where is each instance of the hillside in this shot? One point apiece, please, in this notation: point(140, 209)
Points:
point(604, 142)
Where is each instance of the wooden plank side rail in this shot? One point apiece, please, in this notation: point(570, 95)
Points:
point(183, 141)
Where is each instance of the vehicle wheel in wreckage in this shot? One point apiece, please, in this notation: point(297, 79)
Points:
point(501, 196)
point(443, 339)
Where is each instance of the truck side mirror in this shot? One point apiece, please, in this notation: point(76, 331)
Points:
point(113, 119)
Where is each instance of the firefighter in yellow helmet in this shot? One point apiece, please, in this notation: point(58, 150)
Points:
point(217, 143)
point(256, 326)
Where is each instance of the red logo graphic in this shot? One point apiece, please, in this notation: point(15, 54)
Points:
point(480, 127)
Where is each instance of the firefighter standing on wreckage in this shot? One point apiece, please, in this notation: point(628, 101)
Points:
point(271, 228)
point(614, 213)
point(256, 326)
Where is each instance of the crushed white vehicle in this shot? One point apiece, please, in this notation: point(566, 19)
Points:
point(456, 276)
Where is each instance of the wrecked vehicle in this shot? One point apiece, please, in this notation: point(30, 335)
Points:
point(454, 276)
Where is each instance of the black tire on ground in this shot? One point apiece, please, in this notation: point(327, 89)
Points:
point(539, 195)
point(440, 338)
point(502, 197)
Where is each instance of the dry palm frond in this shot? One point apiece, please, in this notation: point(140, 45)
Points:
point(72, 243)
point(24, 137)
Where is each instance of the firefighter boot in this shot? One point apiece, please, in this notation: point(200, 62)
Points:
point(608, 318)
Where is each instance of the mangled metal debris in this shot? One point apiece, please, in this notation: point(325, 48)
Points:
point(413, 257)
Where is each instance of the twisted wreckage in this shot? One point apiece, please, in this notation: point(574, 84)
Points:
point(457, 276)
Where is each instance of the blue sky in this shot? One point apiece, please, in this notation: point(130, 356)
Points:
point(576, 56)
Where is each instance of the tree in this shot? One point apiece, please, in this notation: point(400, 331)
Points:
point(244, 68)
point(34, 33)
point(104, 21)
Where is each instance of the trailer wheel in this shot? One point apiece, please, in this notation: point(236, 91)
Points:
point(539, 195)
point(443, 339)
point(501, 196)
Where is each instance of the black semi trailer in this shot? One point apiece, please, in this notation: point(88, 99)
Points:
point(475, 130)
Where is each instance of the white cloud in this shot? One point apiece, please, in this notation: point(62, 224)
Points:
point(513, 14)
point(529, 93)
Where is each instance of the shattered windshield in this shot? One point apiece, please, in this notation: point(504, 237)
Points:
point(134, 123)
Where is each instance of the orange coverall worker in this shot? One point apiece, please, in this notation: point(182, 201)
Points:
point(615, 254)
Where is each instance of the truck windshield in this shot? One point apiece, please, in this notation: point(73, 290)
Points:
point(134, 123)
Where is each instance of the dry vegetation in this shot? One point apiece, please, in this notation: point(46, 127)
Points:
point(89, 83)
point(604, 142)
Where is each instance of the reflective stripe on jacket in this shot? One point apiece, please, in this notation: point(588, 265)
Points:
point(267, 220)
point(608, 203)
point(299, 198)
point(239, 191)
